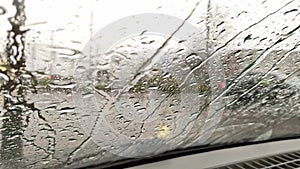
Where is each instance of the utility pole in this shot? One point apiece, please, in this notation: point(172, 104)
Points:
point(208, 25)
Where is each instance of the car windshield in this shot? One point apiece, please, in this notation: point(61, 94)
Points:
point(98, 82)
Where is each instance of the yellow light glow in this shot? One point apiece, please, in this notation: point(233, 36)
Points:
point(163, 132)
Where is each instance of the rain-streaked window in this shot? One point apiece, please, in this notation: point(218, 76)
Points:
point(94, 82)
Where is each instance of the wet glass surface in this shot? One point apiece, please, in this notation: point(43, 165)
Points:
point(92, 82)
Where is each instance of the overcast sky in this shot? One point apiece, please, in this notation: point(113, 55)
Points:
point(73, 22)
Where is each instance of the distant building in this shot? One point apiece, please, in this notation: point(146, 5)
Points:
point(44, 58)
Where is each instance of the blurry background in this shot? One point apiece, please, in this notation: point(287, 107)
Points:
point(257, 43)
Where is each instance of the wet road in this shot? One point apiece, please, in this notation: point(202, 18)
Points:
point(57, 134)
